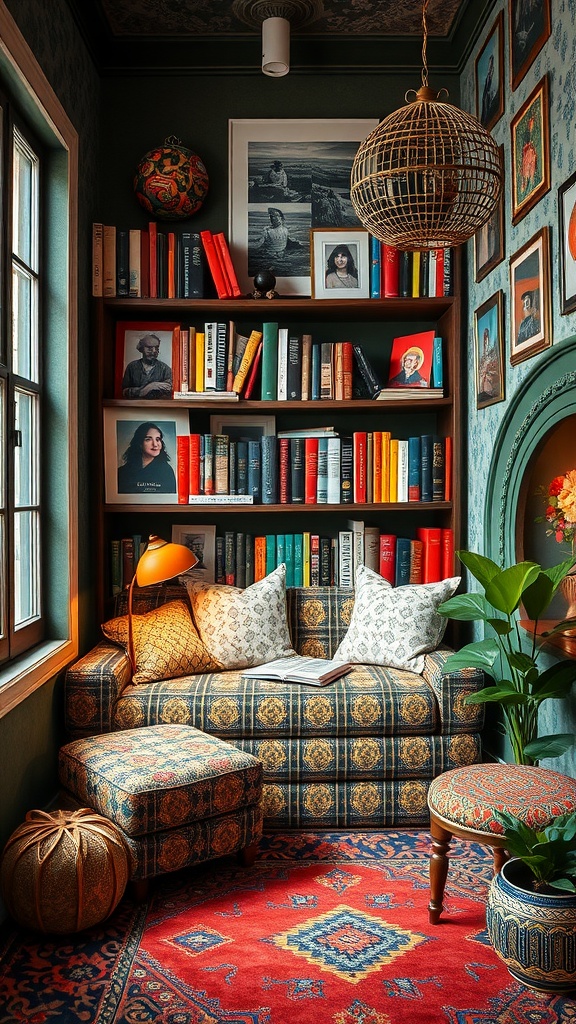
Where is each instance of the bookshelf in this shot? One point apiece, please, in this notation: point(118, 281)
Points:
point(373, 323)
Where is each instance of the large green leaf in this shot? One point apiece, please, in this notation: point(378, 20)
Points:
point(549, 746)
point(483, 569)
point(538, 595)
point(558, 572)
point(466, 607)
point(521, 661)
point(556, 681)
point(506, 589)
point(481, 654)
point(501, 693)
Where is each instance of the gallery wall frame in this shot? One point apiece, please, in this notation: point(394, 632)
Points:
point(529, 24)
point(567, 242)
point(489, 341)
point(129, 334)
point(489, 239)
point(530, 130)
point(489, 76)
point(530, 314)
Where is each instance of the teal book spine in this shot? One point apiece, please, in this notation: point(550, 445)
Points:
point(269, 362)
point(374, 267)
point(270, 552)
point(403, 549)
point(426, 447)
point(298, 560)
point(414, 463)
point(437, 364)
point(289, 558)
point(315, 390)
point(280, 549)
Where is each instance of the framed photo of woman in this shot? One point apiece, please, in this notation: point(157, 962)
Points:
point(489, 351)
point(530, 151)
point(530, 26)
point(340, 263)
point(530, 330)
point(490, 77)
point(567, 218)
point(140, 455)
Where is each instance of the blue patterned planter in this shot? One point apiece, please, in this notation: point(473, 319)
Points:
point(534, 934)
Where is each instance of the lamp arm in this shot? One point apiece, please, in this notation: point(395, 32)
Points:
point(130, 629)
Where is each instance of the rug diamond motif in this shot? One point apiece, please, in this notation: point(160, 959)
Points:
point(199, 940)
point(348, 943)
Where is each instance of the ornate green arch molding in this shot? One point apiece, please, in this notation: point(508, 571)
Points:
point(544, 398)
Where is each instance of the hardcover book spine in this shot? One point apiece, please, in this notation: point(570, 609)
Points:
point(390, 271)
point(242, 467)
point(297, 474)
point(333, 471)
point(322, 483)
point(232, 467)
point(229, 271)
point(405, 273)
point(128, 560)
point(194, 471)
point(338, 371)
point(325, 562)
point(294, 373)
point(346, 470)
point(426, 467)
point(315, 383)
point(416, 566)
point(414, 463)
point(360, 444)
point(229, 558)
point(209, 486)
point(122, 263)
point(254, 470)
point(386, 465)
point(145, 263)
point(370, 378)
point(269, 362)
point(374, 267)
point(192, 260)
point(314, 560)
point(402, 470)
point(259, 558)
point(210, 356)
point(448, 455)
point(249, 580)
point(240, 560)
point(306, 559)
point(161, 264)
point(306, 388)
point(289, 559)
point(431, 537)
point(437, 364)
point(183, 467)
point(240, 342)
point(393, 469)
point(440, 272)
point(221, 464)
point(282, 382)
point(231, 335)
point(214, 265)
point(284, 470)
point(415, 275)
point(370, 467)
point(432, 273)
point(116, 566)
point(347, 369)
point(270, 553)
point(448, 280)
point(356, 528)
point(387, 563)
point(280, 549)
point(345, 559)
point(447, 553)
point(298, 560)
point(134, 260)
point(249, 353)
point(402, 561)
point(200, 346)
point(326, 382)
point(310, 470)
point(438, 469)
point(219, 568)
point(171, 265)
point(253, 375)
point(153, 258)
point(221, 355)
point(109, 261)
point(97, 259)
point(372, 548)
point(423, 273)
point(269, 457)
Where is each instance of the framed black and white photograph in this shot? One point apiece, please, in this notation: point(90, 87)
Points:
point(490, 76)
point(489, 351)
point(286, 177)
point(202, 542)
point(243, 428)
point(146, 354)
point(340, 263)
point(530, 327)
point(567, 234)
point(140, 459)
point(489, 239)
point(530, 26)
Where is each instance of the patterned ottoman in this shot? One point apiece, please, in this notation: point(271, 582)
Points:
point(462, 803)
point(179, 796)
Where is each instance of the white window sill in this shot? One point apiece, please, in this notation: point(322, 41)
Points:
point(24, 675)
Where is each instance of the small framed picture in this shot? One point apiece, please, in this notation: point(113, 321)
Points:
point(411, 361)
point(146, 356)
point(489, 351)
point(243, 428)
point(567, 217)
point(489, 240)
point(202, 541)
point(530, 26)
point(530, 330)
point(490, 76)
point(530, 151)
point(140, 457)
point(340, 263)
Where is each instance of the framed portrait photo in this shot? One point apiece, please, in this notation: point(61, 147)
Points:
point(490, 76)
point(243, 428)
point(567, 218)
point(340, 262)
point(146, 357)
point(489, 351)
point(489, 239)
point(285, 177)
point(530, 327)
point(530, 26)
point(530, 151)
point(140, 455)
point(202, 541)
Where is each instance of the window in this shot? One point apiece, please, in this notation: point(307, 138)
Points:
point(38, 338)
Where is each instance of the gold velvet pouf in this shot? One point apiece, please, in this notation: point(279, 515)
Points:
point(64, 871)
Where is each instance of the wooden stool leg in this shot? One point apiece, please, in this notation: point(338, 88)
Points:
point(248, 855)
point(500, 858)
point(438, 870)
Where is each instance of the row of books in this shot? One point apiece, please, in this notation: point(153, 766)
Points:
point(322, 468)
point(278, 364)
point(315, 560)
point(397, 273)
point(157, 264)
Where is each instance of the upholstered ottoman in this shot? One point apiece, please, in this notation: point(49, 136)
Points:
point(179, 796)
point(462, 803)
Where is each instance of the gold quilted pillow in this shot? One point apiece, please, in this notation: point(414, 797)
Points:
point(166, 643)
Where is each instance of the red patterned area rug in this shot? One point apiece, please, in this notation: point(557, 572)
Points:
point(326, 928)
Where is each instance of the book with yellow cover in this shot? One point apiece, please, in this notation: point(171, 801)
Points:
point(249, 353)
point(393, 469)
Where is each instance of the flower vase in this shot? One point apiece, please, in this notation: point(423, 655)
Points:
point(568, 590)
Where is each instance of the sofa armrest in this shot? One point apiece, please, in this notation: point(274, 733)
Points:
point(91, 688)
point(451, 689)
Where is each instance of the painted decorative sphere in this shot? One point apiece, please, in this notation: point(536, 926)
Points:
point(171, 182)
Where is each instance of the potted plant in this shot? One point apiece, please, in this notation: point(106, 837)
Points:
point(531, 908)
point(519, 684)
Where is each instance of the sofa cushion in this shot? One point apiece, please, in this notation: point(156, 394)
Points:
point(394, 626)
point(242, 628)
point(166, 644)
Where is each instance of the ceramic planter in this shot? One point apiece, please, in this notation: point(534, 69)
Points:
point(533, 933)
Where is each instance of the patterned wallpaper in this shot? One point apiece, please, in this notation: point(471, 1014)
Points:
point(558, 59)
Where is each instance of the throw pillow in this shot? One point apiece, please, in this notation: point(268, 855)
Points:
point(242, 628)
point(166, 644)
point(394, 626)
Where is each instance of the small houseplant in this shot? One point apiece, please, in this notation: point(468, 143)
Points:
point(519, 684)
point(548, 854)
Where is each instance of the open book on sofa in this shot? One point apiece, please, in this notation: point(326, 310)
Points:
point(314, 671)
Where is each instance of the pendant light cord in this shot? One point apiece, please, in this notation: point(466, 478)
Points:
point(424, 44)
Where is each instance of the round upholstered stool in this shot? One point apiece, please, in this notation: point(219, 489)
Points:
point(462, 804)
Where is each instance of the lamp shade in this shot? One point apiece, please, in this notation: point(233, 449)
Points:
point(275, 47)
point(163, 560)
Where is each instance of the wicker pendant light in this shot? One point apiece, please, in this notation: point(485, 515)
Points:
point(429, 175)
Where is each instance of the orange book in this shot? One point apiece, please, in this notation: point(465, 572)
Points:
point(393, 469)
point(310, 470)
point(447, 469)
point(247, 359)
point(183, 468)
point(338, 372)
point(360, 448)
point(416, 566)
point(385, 471)
point(222, 246)
point(215, 266)
point(259, 558)
point(194, 471)
point(377, 467)
point(347, 369)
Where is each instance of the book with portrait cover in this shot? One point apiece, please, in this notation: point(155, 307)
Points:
point(411, 360)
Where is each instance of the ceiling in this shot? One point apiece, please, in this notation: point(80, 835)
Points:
point(205, 35)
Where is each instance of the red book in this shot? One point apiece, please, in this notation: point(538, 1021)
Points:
point(310, 470)
point(171, 283)
point(388, 557)
point(447, 553)
point(153, 260)
point(284, 469)
point(431, 560)
point(390, 284)
point(447, 469)
point(439, 272)
point(222, 244)
point(253, 373)
point(145, 264)
point(214, 265)
point(183, 468)
point(194, 473)
point(360, 454)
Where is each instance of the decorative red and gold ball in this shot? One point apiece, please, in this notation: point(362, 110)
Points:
point(171, 182)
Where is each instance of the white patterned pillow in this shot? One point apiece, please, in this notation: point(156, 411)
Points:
point(394, 626)
point(246, 627)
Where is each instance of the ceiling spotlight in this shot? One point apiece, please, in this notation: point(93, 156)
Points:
point(276, 18)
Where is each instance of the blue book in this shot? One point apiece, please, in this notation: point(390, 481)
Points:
point(298, 560)
point(437, 364)
point(426, 447)
point(315, 372)
point(241, 467)
point(289, 558)
point(374, 267)
point(270, 553)
point(403, 548)
point(414, 464)
point(280, 549)
point(254, 471)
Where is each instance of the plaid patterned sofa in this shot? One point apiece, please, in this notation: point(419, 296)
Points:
point(360, 752)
